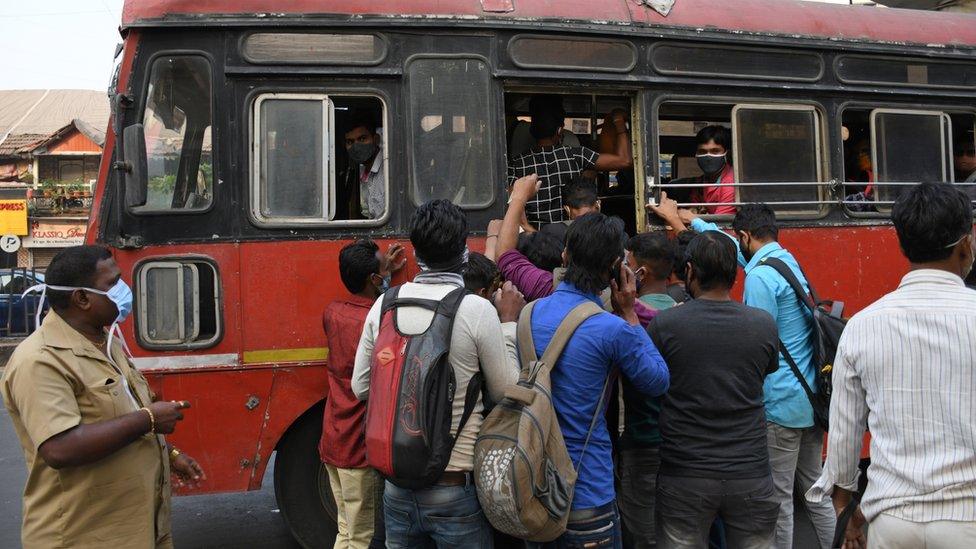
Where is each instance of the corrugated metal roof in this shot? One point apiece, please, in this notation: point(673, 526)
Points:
point(47, 111)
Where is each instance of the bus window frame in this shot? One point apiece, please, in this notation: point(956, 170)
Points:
point(141, 211)
point(947, 167)
point(731, 75)
point(905, 59)
point(242, 50)
point(570, 38)
point(870, 106)
point(138, 273)
point(252, 103)
point(732, 101)
point(823, 186)
point(492, 110)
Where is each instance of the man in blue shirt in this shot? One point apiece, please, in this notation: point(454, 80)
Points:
point(795, 443)
point(602, 346)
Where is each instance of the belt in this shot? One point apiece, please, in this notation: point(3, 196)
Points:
point(593, 513)
point(454, 478)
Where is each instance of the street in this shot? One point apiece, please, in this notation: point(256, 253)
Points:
point(249, 519)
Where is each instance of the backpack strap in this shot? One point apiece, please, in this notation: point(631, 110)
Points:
point(797, 373)
point(526, 344)
point(786, 272)
point(596, 416)
point(565, 331)
point(474, 391)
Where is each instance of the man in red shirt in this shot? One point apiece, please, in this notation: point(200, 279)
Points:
point(713, 154)
point(358, 490)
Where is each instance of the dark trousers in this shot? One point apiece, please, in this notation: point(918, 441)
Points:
point(601, 529)
point(687, 507)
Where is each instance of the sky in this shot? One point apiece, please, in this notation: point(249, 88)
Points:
point(64, 44)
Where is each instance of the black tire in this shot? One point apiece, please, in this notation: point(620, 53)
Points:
point(302, 484)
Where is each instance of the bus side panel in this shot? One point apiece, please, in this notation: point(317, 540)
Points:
point(295, 389)
point(222, 427)
point(285, 288)
point(856, 265)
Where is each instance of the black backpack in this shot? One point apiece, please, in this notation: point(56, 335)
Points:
point(828, 325)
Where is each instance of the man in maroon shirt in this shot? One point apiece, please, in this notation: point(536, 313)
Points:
point(358, 490)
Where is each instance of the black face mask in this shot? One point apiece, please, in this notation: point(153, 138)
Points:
point(711, 164)
point(360, 153)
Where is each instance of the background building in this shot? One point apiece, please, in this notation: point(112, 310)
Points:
point(50, 147)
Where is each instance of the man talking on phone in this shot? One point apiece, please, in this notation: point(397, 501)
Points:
point(98, 466)
point(602, 347)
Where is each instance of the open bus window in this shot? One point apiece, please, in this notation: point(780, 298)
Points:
point(449, 121)
point(770, 151)
point(318, 159)
point(886, 149)
point(179, 146)
point(178, 304)
point(586, 125)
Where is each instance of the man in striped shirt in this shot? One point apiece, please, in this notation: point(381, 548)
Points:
point(906, 368)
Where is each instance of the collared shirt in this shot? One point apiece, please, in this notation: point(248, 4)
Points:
point(343, 442)
point(556, 166)
point(479, 341)
point(906, 368)
point(602, 346)
point(786, 402)
point(535, 283)
point(721, 191)
point(55, 380)
point(372, 188)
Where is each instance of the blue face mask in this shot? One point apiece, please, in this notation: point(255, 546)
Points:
point(385, 284)
point(120, 294)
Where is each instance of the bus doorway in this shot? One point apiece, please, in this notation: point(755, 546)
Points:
point(586, 124)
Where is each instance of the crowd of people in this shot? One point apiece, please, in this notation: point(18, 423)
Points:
point(715, 434)
point(683, 411)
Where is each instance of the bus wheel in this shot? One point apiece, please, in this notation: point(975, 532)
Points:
point(302, 484)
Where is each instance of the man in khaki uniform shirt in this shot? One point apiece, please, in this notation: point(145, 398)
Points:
point(92, 436)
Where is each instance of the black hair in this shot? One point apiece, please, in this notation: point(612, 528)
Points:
point(480, 273)
point(594, 242)
point(680, 245)
point(654, 250)
point(579, 192)
point(542, 249)
point(74, 267)
point(758, 220)
point(357, 261)
point(713, 259)
point(438, 231)
point(547, 120)
point(929, 217)
point(362, 118)
point(719, 134)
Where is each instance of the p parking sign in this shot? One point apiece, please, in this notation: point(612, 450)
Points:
point(9, 243)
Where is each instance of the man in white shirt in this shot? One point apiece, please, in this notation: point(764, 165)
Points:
point(906, 369)
point(364, 144)
point(447, 513)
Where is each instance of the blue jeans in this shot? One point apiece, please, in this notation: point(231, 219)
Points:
point(438, 516)
point(599, 531)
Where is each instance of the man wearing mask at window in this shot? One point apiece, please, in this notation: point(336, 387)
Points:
point(365, 177)
point(713, 155)
point(90, 431)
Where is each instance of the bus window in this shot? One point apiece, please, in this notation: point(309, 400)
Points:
point(778, 144)
point(318, 159)
point(179, 304)
point(964, 152)
point(177, 121)
point(451, 131)
point(720, 155)
point(885, 147)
